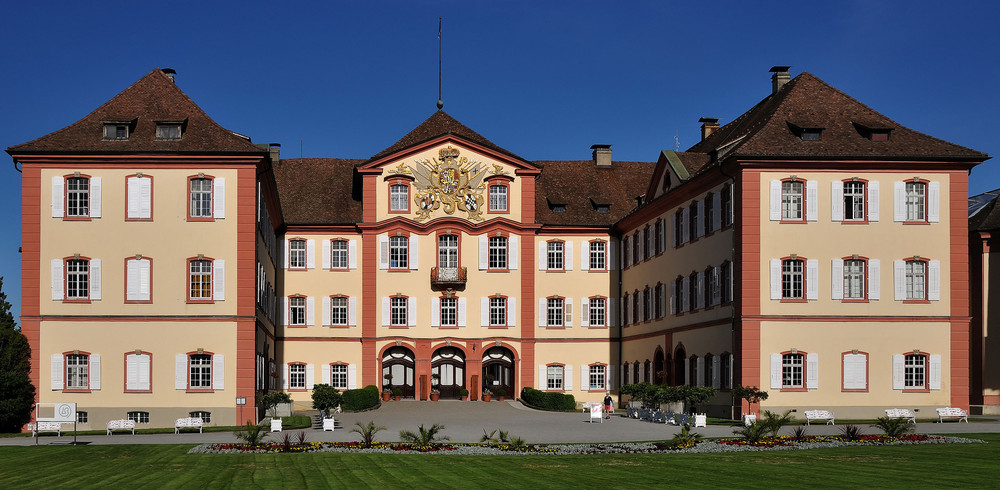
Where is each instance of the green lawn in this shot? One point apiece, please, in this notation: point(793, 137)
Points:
point(951, 465)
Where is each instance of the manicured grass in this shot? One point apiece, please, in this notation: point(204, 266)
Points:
point(947, 465)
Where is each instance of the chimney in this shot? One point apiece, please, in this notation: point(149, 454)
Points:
point(274, 149)
point(602, 155)
point(779, 78)
point(170, 73)
point(708, 126)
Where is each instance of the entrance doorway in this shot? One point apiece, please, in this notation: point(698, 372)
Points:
point(397, 370)
point(448, 364)
point(498, 371)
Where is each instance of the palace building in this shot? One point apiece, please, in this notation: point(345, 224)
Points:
point(180, 266)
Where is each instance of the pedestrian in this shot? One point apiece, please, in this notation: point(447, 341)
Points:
point(608, 405)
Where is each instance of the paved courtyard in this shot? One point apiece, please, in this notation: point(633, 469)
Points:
point(465, 422)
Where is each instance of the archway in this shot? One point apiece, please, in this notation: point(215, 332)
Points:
point(397, 370)
point(680, 357)
point(449, 364)
point(498, 370)
point(659, 369)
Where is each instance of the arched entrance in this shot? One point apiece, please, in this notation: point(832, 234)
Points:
point(449, 364)
point(397, 370)
point(659, 370)
point(498, 370)
point(680, 357)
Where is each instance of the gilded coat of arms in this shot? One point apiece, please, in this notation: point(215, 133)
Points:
point(449, 182)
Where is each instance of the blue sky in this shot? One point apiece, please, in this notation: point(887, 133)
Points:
point(543, 79)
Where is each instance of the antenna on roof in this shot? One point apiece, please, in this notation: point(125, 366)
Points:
point(677, 142)
point(440, 103)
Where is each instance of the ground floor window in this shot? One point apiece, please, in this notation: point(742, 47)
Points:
point(555, 378)
point(81, 417)
point(206, 417)
point(139, 417)
point(597, 377)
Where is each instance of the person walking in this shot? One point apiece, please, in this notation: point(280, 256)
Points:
point(608, 405)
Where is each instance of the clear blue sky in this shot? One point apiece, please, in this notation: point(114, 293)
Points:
point(544, 79)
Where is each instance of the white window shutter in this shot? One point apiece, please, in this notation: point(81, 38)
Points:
point(837, 278)
point(180, 372)
point(435, 312)
point(144, 372)
point(285, 311)
point(352, 376)
point(145, 198)
point(855, 371)
point(513, 252)
point(897, 371)
point(411, 313)
point(584, 255)
point(383, 247)
point(568, 255)
point(775, 278)
point(95, 279)
point(639, 243)
point(812, 371)
point(484, 252)
point(568, 377)
point(325, 375)
point(873, 201)
point(584, 312)
point(874, 279)
point(542, 377)
point(685, 293)
point(310, 310)
point(584, 378)
point(568, 312)
point(414, 251)
point(57, 279)
point(462, 312)
point(935, 372)
point(700, 225)
point(145, 274)
point(352, 311)
point(352, 254)
point(58, 197)
point(310, 376)
point(609, 256)
point(836, 201)
point(132, 205)
point(661, 298)
point(511, 311)
point(219, 280)
point(385, 311)
point(899, 201)
point(287, 254)
point(95, 371)
point(95, 197)
point(543, 255)
point(219, 197)
point(609, 377)
point(311, 254)
point(326, 311)
point(934, 280)
point(131, 372)
point(700, 372)
point(899, 279)
point(218, 372)
point(775, 203)
point(716, 374)
point(542, 312)
point(685, 229)
point(700, 289)
point(284, 376)
point(626, 253)
point(673, 297)
point(484, 311)
point(812, 200)
point(57, 372)
point(716, 211)
point(673, 229)
point(812, 279)
point(934, 202)
point(775, 371)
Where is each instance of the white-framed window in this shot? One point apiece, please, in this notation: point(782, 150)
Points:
point(855, 371)
point(498, 198)
point(138, 371)
point(554, 257)
point(338, 254)
point(714, 286)
point(658, 297)
point(915, 372)
point(792, 200)
point(854, 201)
point(792, 370)
point(200, 279)
point(338, 310)
point(854, 279)
point(554, 312)
point(792, 279)
point(598, 312)
point(916, 201)
point(168, 131)
point(77, 279)
point(448, 251)
point(647, 239)
point(297, 254)
point(554, 380)
point(201, 197)
point(647, 304)
point(399, 198)
point(81, 417)
point(399, 252)
point(116, 131)
point(138, 417)
point(77, 196)
point(297, 310)
point(916, 280)
point(297, 376)
point(77, 371)
point(498, 252)
point(138, 273)
point(200, 371)
point(498, 311)
point(397, 311)
point(598, 255)
point(338, 376)
point(206, 417)
point(449, 312)
point(598, 377)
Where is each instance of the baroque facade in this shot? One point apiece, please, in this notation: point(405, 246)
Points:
point(812, 247)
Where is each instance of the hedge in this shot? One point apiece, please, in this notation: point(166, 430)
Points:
point(363, 399)
point(548, 401)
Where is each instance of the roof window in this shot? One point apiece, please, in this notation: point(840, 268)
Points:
point(600, 207)
point(118, 130)
point(810, 134)
point(169, 130)
point(805, 132)
point(873, 132)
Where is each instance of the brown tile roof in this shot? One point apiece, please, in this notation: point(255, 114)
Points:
point(807, 101)
point(439, 124)
point(988, 218)
point(153, 98)
point(318, 191)
point(580, 186)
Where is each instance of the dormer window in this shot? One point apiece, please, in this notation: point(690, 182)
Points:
point(600, 207)
point(116, 131)
point(872, 131)
point(168, 130)
point(558, 208)
point(810, 134)
point(805, 132)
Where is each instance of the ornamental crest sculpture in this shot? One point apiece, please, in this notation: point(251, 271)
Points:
point(451, 183)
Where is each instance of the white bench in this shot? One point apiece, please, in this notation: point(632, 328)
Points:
point(121, 424)
point(188, 423)
point(596, 412)
point(749, 419)
point(952, 413)
point(901, 413)
point(275, 425)
point(819, 415)
point(329, 424)
point(46, 427)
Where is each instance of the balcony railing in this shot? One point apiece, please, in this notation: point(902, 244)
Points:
point(448, 277)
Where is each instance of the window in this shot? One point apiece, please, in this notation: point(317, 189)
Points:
point(139, 417)
point(77, 279)
point(448, 251)
point(791, 200)
point(709, 370)
point(296, 376)
point(725, 370)
point(658, 297)
point(709, 213)
point(297, 310)
point(597, 377)
point(713, 288)
point(647, 306)
point(338, 310)
point(201, 198)
point(138, 272)
point(206, 417)
point(81, 417)
point(399, 198)
point(77, 372)
point(338, 376)
point(916, 201)
point(915, 372)
point(449, 312)
point(811, 134)
point(792, 279)
point(338, 254)
point(168, 131)
point(626, 251)
point(727, 205)
point(399, 252)
point(854, 201)
point(598, 312)
point(854, 279)
point(397, 311)
point(625, 308)
point(678, 297)
point(678, 228)
point(692, 373)
point(792, 370)
point(635, 307)
point(726, 280)
point(693, 291)
point(916, 280)
point(855, 371)
point(498, 311)
point(498, 252)
point(555, 378)
point(636, 248)
point(77, 196)
point(659, 236)
point(692, 223)
point(200, 280)
point(297, 254)
point(554, 257)
point(116, 131)
point(554, 312)
point(647, 240)
point(498, 198)
point(598, 255)
point(200, 371)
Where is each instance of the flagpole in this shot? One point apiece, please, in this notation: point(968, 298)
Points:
point(440, 102)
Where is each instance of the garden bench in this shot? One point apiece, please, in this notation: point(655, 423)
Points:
point(121, 424)
point(953, 413)
point(683, 419)
point(668, 418)
point(701, 420)
point(46, 427)
point(596, 412)
point(329, 424)
point(187, 423)
point(819, 415)
point(275, 425)
point(901, 413)
point(749, 419)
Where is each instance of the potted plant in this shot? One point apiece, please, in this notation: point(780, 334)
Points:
point(397, 393)
point(435, 394)
point(501, 393)
point(464, 394)
point(387, 387)
point(487, 395)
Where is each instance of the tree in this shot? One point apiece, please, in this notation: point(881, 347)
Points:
point(326, 398)
point(271, 400)
point(751, 394)
point(17, 394)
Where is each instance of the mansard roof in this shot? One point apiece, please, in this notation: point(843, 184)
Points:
point(318, 191)
point(154, 98)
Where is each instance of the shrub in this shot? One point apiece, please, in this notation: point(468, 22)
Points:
point(548, 401)
point(271, 400)
point(754, 432)
point(893, 427)
point(850, 432)
point(357, 400)
point(423, 437)
point(799, 433)
point(463, 392)
point(775, 422)
point(397, 392)
point(251, 434)
point(367, 432)
point(326, 398)
point(685, 438)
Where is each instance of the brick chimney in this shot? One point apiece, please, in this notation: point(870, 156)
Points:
point(602, 155)
point(274, 149)
point(170, 73)
point(708, 126)
point(779, 78)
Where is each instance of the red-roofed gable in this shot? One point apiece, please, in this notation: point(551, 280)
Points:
point(440, 124)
